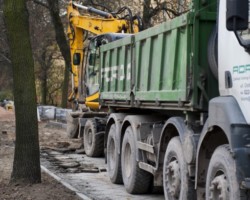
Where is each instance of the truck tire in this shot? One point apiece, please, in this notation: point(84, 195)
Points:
point(72, 126)
point(212, 52)
point(93, 142)
point(136, 180)
point(176, 182)
point(113, 157)
point(222, 182)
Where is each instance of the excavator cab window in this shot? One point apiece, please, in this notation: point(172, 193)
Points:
point(92, 57)
point(92, 68)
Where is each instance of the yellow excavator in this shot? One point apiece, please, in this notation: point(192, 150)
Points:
point(88, 27)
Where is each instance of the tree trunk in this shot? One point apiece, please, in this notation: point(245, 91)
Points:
point(44, 76)
point(63, 45)
point(26, 166)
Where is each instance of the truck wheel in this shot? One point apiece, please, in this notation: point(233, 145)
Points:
point(72, 126)
point(222, 182)
point(113, 158)
point(136, 181)
point(212, 52)
point(176, 182)
point(93, 141)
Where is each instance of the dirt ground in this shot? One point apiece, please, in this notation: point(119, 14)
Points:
point(49, 138)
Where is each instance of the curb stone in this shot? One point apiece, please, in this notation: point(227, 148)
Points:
point(79, 194)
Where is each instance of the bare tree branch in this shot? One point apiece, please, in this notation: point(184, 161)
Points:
point(163, 6)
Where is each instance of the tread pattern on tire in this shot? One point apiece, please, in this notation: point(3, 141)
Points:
point(212, 52)
point(117, 179)
point(141, 180)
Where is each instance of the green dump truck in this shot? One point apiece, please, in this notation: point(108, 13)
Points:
point(179, 96)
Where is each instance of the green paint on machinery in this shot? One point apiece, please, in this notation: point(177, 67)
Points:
point(164, 67)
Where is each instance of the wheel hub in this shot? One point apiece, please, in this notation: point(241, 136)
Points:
point(173, 179)
point(219, 189)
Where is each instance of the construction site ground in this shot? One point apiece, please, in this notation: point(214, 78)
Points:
point(67, 173)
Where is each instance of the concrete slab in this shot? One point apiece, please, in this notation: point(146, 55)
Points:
point(95, 186)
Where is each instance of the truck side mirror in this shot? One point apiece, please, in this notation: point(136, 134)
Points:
point(76, 58)
point(237, 15)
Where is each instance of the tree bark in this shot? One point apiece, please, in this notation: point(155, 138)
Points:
point(26, 166)
point(43, 78)
point(63, 45)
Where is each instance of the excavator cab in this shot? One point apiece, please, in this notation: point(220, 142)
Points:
point(92, 67)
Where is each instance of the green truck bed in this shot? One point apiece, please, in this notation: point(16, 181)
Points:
point(164, 67)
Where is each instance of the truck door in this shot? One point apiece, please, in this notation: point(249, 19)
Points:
point(234, 60)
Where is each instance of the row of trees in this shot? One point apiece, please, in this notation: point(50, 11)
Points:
point(50, 52)
point(5, 62)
